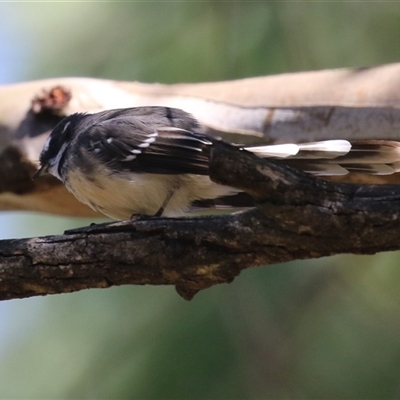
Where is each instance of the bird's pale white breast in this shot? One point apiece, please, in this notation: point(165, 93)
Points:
point(122, 195)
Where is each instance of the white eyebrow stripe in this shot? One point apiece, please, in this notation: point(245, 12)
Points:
point(54, 162)
point(66, 126)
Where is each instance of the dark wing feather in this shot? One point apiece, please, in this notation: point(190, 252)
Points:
point(125, 143)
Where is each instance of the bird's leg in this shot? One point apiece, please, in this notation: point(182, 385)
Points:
point(160, 212)
point(164, 204)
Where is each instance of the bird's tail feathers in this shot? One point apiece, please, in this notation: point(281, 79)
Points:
point(336, 157)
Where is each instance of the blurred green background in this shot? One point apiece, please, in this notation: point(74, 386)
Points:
point(320, 329)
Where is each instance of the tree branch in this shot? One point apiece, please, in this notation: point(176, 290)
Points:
point(298, 217)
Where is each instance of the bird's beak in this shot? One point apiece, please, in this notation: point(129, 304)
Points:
point(40, 172)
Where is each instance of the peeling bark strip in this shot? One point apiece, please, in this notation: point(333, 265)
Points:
point(298, 217)
point(52, 101)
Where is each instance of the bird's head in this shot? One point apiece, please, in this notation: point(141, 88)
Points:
point(53, 152)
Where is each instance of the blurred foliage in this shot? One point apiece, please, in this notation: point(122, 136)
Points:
point(312, 329)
